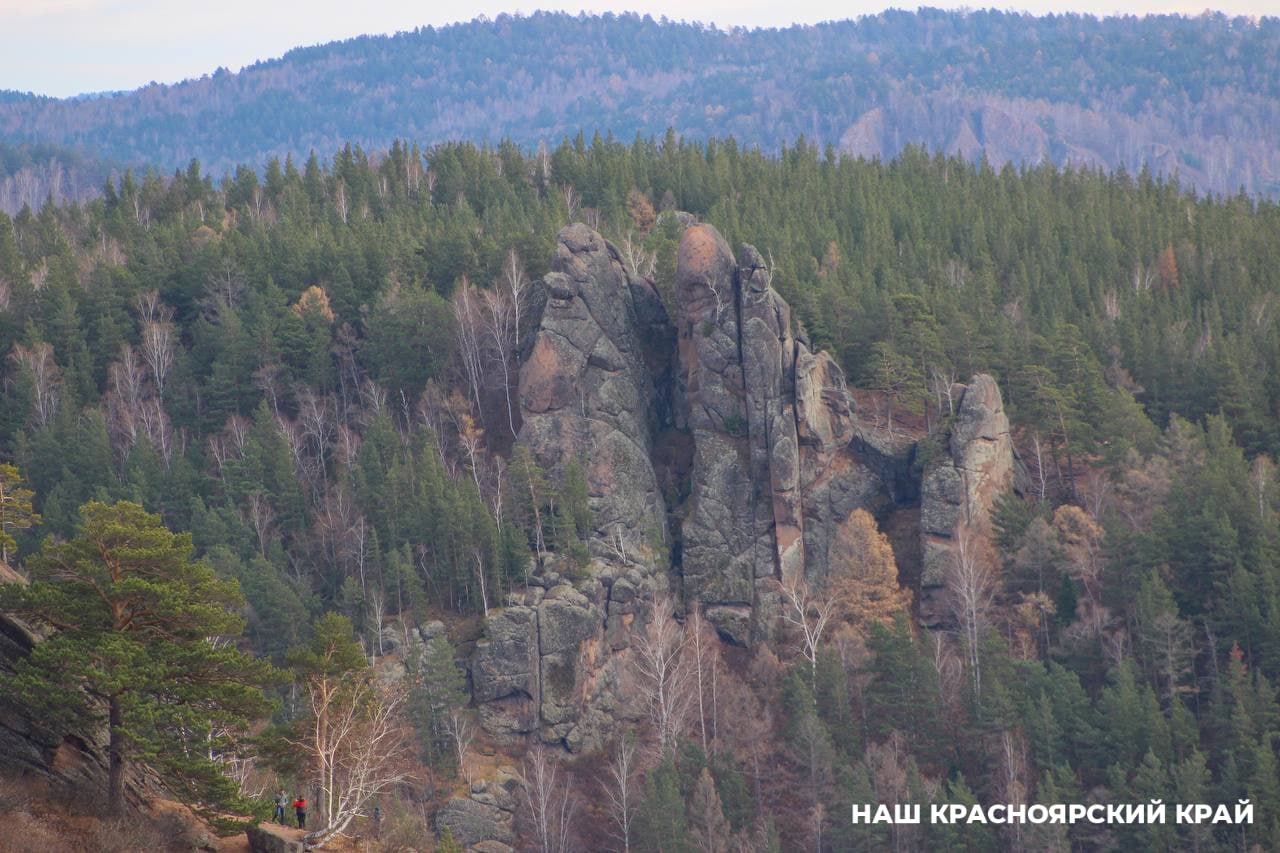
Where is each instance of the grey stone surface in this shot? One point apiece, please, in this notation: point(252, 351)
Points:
point(761, 458)
point(269, 839)
point(472, 822)
point(959, 489)
point(589, 386)
point(775, 470)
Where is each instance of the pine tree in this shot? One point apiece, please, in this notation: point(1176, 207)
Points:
point(661, 822)
point(15, 509)
point(140, 643)
point(437, 688)
point(446, 843)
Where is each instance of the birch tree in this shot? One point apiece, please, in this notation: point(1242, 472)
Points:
point(549, 801)
point(809, 613)
point(620, 790)
point(971, 583)
point(662, 672)
point(469, 328)
point(38, 363)
point(351, 733)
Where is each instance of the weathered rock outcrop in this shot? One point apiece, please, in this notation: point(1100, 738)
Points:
point(273, 838)
point(721, 436)
point(594, 389)
point(590, 387)
point(960, 487)
point(774, 471)
point(484, 819)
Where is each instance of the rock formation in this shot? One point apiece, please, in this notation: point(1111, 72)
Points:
point(774, 468)
point(593, 389)
point(589, 387)
point(273, 838)
point(960, 487)
point(484, 819)
point(722, 457)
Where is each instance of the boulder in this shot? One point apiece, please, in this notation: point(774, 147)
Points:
point(472, 822)
point(484, 819)
point(273, 838)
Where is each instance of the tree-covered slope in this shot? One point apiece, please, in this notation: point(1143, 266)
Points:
point(1197, 96)
point(309, 369)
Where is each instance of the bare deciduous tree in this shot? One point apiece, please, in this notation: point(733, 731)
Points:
point(128, 384)
point(315, 415)
point(638, 260)
point(461, 734)
point(705, 661)
point(1262, 477)
point(500, 335)
point(262, 517)
point(663, 672)
point(224, 289)
point(340, 530)
point(943, 385)
point(156, 337)
point(971, 582)
point(46, 379)
point(1013, 775)
point(810, 614)
point(571, 200)
point(516, 283)
point(354, 743)
point(620, 790)
point(548, 796)
point(469, 329)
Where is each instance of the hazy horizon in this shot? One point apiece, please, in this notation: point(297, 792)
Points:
point(114, 45)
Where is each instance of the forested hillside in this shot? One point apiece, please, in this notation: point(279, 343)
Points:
point(30, 174)
point(319, 371)
point(1195, 96)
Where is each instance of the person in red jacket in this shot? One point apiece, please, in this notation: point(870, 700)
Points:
point(300, 809)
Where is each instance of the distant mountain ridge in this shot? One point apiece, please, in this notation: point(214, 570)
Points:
point(1199, 97)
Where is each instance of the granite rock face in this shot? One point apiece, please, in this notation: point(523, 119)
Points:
point(594, 389)
point(774, 467)
point(484, 819)
point(590, 386)
point(722, 456)
point(960, 488)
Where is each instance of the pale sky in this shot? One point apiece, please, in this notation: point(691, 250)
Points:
point(67, 47)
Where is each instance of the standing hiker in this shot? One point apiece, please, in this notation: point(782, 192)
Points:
point(300, 809)
point(282, 803)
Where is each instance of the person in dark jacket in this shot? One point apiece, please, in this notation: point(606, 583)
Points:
point(300, 809)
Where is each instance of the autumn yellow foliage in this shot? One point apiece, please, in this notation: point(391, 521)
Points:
point(864, 574)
